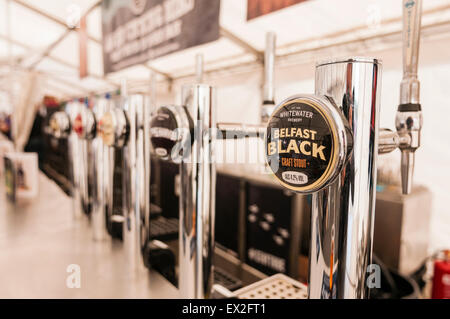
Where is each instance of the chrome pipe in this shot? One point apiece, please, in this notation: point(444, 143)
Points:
point(73, 109)
point(269, 74)
point(136, 204)
point(113, 131)
point(410, 86)
point(409, 114)
point(98, 218)
point(197, 200)
point(342, 213)
point(84, 128)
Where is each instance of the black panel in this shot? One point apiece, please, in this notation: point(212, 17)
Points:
point(227, 211)
point(268, 221)
point(169, 201)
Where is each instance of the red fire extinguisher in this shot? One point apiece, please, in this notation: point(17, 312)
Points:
point(441, 277)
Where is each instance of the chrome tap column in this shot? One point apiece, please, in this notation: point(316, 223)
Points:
point(327, 144)
point(197, 200)
point(136, 181)
point(98, 217)
point(343, 213)
point(113, 128)
point(84, 127)
point(186, 135)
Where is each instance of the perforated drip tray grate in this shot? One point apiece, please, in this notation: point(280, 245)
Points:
point(278, 286)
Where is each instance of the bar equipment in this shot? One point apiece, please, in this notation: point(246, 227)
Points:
point(99, 210)
point(409, 113)
point(136, 228)
point(327, 144)
point(185, 135)
point(84, 130)
point(123, 131)
point(269, 77)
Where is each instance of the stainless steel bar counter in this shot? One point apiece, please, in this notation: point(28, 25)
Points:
point(40, 240)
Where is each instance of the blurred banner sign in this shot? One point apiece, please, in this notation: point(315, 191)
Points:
point(256, 8)
point(136, 31)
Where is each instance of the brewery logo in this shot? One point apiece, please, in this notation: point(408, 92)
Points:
point(163, 132)
point(301, 142)
point(106, 129)
point(54, 125)
point(78, 125)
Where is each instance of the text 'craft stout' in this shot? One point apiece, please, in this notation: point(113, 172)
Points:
point(300, 145)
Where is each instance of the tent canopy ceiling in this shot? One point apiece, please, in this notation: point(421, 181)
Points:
point(29, 28)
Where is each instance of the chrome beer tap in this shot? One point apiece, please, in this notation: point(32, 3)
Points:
point(184, 134)
point(122, 129)
point(326, 145)
point(409, 120)
point(84, 126)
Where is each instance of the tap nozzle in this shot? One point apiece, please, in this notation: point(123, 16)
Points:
point(409, 124)
point(407, 170)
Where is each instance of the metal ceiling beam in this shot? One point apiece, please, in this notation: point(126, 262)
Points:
point(56, 19)
point(62, 37)
point(63, 23)
point(166, 75)
point(58, 60)
point(243, 44)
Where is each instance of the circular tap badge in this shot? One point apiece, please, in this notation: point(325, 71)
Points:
point(301, 145)
point(78, 125)
point(106, 129)
point(163, 132)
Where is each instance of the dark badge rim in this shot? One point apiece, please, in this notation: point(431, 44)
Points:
point(327, 175)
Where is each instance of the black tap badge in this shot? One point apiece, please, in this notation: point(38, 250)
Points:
point(163, 130)
point(301, 145)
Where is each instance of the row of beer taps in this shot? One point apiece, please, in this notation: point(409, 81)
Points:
point(347, 91)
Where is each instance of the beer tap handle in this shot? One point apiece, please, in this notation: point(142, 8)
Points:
point(409, 115)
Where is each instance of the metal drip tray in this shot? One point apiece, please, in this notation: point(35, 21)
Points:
point(278, 286)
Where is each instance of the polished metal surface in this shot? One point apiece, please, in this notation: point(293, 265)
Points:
point(197, 200)
point(410, 86)
point(113, 129)
point(84, 124)
point(269, 74)
point(78, 149)
point(342, 213)
point(136, 181)
point(98, 215)
point(39, 241)
point(388, 141)
point(409, 123)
